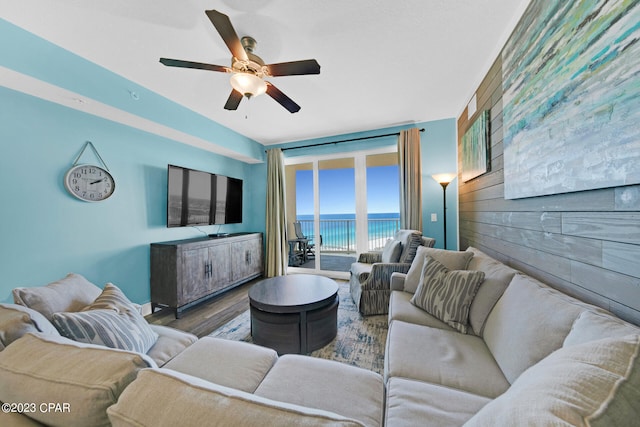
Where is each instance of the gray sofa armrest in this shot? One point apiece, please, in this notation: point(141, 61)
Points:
point(380, 275)
point(397, 281)
point(370, 257)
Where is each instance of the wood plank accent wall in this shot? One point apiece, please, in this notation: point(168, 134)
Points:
point(586, 244)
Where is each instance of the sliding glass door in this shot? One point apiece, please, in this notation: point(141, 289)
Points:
point(339, 206)
point(337, 213)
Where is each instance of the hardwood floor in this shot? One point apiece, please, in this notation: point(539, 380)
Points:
point(208, 316)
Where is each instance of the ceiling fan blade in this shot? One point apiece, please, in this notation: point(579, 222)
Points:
point(294, 68)
point(234, 100)
point(228, 33)
point(199, 65)
point(282, 99)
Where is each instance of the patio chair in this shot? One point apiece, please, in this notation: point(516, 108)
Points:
point(310, 246)
point(370, 282)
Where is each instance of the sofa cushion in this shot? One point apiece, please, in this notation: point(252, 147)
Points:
point(326, 385)
point(528, 322)
point(401, 308)
point(497, 277)
point(453, 260)
point(411, 402)
point(591, 326)
point(229, 363)
point(162, 397)
point(171, 342)
point(592, 384)
point(17, 320)
point(17, 419)
point(391, 252)
point(447, 358)
point(111, 320)
point(410, 240)
point(447, 294)
point(45, 368)
point(71, 293)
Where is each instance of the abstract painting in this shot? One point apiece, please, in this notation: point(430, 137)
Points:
point(571, 98)
point(474, 148)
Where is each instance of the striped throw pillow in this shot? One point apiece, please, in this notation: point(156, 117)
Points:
point(112, 320)
point(447, 295)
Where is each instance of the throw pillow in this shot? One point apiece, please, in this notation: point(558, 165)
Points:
point(409, 249)
point(453, 260)
point(391, 251)
point(447, 295)
point(112, 320)
point(71, 293)
point(592, 384)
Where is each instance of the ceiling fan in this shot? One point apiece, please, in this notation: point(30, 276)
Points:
point(249, 70)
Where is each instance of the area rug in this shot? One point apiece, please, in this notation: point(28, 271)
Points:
point(360, 340)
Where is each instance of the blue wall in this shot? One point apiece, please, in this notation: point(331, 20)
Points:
point(47, 233)
point(438, 151)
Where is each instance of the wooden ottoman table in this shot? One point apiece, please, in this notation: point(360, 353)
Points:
point(297, 313)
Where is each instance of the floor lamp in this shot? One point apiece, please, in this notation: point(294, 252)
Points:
point(444, 179)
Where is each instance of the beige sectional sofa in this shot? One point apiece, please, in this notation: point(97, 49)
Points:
point(531, 356)
point(49, 379)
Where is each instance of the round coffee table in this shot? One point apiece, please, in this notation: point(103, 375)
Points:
point(294, 314)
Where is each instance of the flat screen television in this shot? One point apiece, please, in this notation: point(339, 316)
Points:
point(202, 198)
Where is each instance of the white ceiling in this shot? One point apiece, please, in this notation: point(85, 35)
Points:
point(383, 62)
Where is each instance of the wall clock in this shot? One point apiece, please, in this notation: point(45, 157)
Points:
point(88, 182)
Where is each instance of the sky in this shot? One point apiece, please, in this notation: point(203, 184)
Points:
point(337, 190)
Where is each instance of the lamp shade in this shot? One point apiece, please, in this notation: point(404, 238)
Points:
point(444, 178)
point(248, 84)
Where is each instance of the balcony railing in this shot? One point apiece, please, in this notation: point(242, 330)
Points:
point(339, 235)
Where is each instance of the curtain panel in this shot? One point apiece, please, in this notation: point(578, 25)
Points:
point(276, 221)
point(410, 179)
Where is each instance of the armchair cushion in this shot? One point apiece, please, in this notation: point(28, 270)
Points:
point(391, 252)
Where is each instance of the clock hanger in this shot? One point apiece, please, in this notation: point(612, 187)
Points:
point(90, 144)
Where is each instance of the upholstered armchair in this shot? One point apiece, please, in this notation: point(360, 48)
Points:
point(371, 274)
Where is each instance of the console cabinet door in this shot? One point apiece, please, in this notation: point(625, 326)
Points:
point(219, 259)
point(196, 271)
point(246, 259)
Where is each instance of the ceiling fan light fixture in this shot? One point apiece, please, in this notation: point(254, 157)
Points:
point(248, 84)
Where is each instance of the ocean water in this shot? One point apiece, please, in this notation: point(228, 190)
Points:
point(338, 231)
